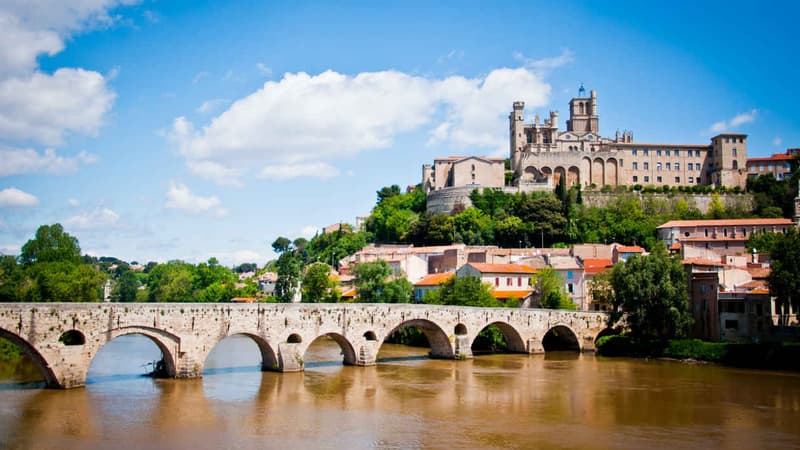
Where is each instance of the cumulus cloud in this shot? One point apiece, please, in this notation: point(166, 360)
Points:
point(209, 106)
point(567, 56)
point(737, 120)
point(74, 202)
point(301, 124)
point(180, 197)
point(90, 220)
point(264, 69)
point(18, 161)
point(15, 197)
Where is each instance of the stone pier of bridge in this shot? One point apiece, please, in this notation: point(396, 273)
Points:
point(63, 338)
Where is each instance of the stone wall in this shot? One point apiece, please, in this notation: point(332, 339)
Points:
point(187, 332)
point(699, 201)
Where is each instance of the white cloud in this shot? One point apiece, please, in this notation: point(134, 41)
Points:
point(301, 124)
point(43, 107)
point(777, 141)
point(286, 171)
point(209, 106)
point(737, 120)
point(21, 161)
point(199, 76)
point(219, 173)
point(90, 220)
point(567, 56)
point(180, 197)
point(308, 231)
point(264, 69)
point(10, 249)
point(74, 202)
point(15, 197)
point(451, 55)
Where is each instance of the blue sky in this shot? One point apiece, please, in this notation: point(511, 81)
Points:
point(189, 129)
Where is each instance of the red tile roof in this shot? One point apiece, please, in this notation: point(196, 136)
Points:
point(675, 246)
point(630, 249)
point(725, 222)
point(759, 272)
point(774, 157)
point(596, 265)
point(435, 279)
point(702, 262)
point(505, 295)
point(502, 268)
point(243, 300)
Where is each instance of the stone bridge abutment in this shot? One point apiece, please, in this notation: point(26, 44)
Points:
point(63, 338)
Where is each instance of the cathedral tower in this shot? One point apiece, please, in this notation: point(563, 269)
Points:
point(583, 113)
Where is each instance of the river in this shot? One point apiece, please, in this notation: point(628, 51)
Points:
point(557, 400)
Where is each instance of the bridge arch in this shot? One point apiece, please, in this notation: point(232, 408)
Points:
point(49, 375)
point(561, 337)
point(441, 346)
point(348, 349)
point(269, 359)
point(513, 338)
point(167, 342)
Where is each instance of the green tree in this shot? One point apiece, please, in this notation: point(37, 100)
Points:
point(11, 279)
point(371, 281)
point(399, 290)
point(281, 244)
point(551, 289)
point(126, 287)
point(650, 293)
point(288, 270)
point(317, 285)
point(171, 282)
point(462, 291)
point(51, 244)
point(784, 278)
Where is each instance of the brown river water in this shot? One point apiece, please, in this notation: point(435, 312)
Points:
point(557, 400)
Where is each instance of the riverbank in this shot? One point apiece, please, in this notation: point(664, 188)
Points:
point(775, 356)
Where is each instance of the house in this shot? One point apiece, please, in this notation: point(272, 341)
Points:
point(572, 275)
point(779, 165)
point(721, 236)
point(623, 252)
point(592, 267)
point(509, 281)
point(430, 283)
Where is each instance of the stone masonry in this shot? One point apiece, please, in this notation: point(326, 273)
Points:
point(186, 332)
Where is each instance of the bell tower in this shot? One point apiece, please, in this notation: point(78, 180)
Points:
point(583, 113)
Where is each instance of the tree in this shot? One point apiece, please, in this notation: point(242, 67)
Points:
point(51, 244)
point(317, 285)
point(371, 281)
point(462, 291)
point(650, 292)
point(126, 287)
point(784, 279)
point(171, 282)
point(281, 244)
point(551, 290)
point(288, 269)
point(387, 192)
point(398, 291)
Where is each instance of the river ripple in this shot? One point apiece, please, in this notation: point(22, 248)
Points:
point(559, 400)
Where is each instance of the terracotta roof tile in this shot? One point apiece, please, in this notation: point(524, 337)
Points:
point(702, 262)
point(630, 249)
point(725, 222)
point(502, 268)
point(504, 295)
point(435, 279)
point(596, 265)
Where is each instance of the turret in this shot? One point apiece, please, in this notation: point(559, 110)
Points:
point(516, 133)
point(554, 119)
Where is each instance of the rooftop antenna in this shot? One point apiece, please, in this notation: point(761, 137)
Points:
point(581, 91)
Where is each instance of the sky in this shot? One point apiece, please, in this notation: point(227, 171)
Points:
point(160, 130)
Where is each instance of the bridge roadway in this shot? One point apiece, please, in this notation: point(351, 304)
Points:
point(63, 338)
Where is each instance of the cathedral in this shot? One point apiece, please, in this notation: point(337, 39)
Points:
point(541, 155)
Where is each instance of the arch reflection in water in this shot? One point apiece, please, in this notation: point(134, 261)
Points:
point(560, 338)
point(331, 349)
point(498, 337)
point(129, 356)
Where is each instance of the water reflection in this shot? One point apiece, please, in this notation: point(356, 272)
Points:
point(494, 401)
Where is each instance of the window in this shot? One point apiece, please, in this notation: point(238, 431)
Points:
point(744, 232)
point(635, 152)
point(697, 153)
point(646, 166)
point(658, 179)
point(635, 179)
point(677, 166)
point(687, 234)
point(646, 152)
point(732, 324)
point(497, 281)
point(705, 232)
point(646, 179)
point(570, 288)
point(735, 164)
point(669, 166)
point(569, 274)
point(726, 140)
point(734, 152)
point(691, 179)
point(519, 281)
point(691, 166)
point(658, 167)
point(658, 152)
point(635, 166)
point(509, 282)
point(666, 152)
point(677, 179)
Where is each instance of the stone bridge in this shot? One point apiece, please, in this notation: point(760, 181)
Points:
point(63, 338)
